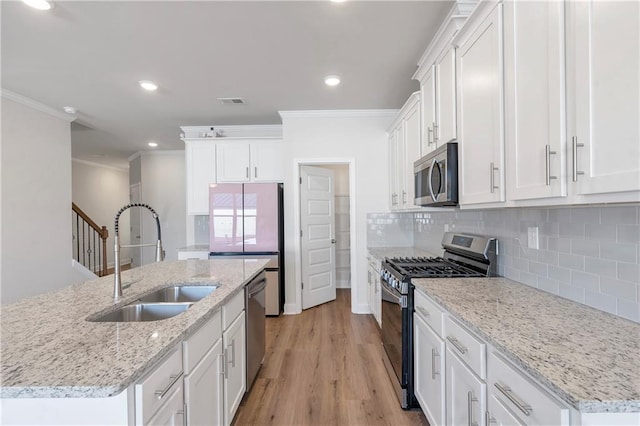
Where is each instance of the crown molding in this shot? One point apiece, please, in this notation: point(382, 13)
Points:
point(39, 106)
point(155, 153)
point(104, 166)
point(240, 131)
point(340, 113)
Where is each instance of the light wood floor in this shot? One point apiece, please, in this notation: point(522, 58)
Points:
point(324, 367)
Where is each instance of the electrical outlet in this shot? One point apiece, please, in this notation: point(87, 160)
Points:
point(532, 240)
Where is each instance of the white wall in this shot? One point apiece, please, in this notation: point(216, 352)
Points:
point(100, 191)
point(163, 186)
point(36, 199)
point(357, 135)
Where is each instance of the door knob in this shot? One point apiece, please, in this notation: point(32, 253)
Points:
point(333, 241)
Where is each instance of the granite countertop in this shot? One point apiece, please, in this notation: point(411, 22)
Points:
point(381, 253)
point(49, 350)
point(588, 358)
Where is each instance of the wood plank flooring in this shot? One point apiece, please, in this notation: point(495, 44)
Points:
point(324, 367)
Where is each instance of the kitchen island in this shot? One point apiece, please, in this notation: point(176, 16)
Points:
point(587, 358)
point(50, 351)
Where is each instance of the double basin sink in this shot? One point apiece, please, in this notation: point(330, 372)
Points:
point(158, 305)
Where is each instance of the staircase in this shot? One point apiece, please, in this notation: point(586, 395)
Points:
point(89, 242)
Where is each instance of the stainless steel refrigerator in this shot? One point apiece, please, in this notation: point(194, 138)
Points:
point(247, 220)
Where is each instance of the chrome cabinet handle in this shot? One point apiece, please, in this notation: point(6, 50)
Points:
point(223, 364)
point(547, 162)
point(430, 136)
point(233, 353)
point(506, 391)
point(575, 145)
point(436, 137)
point(404, 197)
point(255, 171)
point(226, 369)
point(247, 172)
point(488, 419)
point(162, 393)
point(456, 344)
point(470, 400)
point(434, 355)
point(492, 180)
point(423, 311)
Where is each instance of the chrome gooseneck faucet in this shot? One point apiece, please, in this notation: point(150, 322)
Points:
point(117, 280)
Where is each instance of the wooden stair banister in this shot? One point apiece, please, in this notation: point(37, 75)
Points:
point(100, 231)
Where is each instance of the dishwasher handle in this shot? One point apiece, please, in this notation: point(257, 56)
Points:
point(256, 287)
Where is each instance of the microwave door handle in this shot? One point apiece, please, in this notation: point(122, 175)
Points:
point(433, 196)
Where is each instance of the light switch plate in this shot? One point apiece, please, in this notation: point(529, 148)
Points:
point(532, 238)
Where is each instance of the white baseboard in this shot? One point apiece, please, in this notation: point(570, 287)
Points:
point(82, 270)
point(291, 309)
point(362, 308)
point(343, 284)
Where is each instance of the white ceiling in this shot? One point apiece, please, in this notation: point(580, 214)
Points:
point(91, 55)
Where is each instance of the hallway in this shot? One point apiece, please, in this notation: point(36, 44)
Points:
point(324, 367)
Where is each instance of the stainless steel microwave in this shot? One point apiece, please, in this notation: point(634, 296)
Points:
point(436, 177)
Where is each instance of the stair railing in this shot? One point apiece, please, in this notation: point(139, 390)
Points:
point(90, 242)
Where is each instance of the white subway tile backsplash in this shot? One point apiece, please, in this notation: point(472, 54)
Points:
point(622, 289)
point(571, 261)
point(528, 279)
point(629, 272)
point(628, 234)
point(601, 231)
point(570, 292)
point(618, 251)
point(571, 230)
point(629, 310)
point(585, 215)
point(549, 257)
point(620, 215)
point(587, 281)
point(562, 275)
point(602, 267)
point(520, 264)
point(561, 245)
point(538, 268)
point(601, 301)
point(585, 247)
point(549, 285)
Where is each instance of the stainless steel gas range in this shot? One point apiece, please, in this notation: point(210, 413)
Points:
point(464, 256)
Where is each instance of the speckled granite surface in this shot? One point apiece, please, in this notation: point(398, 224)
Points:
point(382, 252)
point(49, 349)
point(588, 358)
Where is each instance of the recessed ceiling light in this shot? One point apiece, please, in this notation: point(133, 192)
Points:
point(70, 109)
point(332, 80)
point(338, 1)
point(39, 4)
point(153, 144)
point(148, 85)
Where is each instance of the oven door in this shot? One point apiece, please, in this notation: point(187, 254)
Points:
point(394, 329)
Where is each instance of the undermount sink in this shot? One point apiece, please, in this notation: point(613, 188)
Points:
point(183, 293)
point(144, 312)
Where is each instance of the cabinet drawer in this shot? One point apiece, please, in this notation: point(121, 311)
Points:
point(159, 385)
point(524, 398)
point(468, 347)
point(232, 309)
point(429, 312)
point(196, 346)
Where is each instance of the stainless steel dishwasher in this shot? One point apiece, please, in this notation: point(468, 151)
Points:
point(254, 294)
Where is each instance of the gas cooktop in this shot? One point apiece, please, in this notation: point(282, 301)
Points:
point(431, 267)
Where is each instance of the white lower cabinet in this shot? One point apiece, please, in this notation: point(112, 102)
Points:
point(466, 394)
point(373, 294)
point(498, 415)
point(235, 372)
point(429, 371)
point(203, 390)
point(171, 413)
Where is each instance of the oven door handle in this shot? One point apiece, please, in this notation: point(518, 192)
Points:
point(399, 300)
point(429, 178)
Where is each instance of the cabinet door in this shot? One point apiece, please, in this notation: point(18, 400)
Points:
point(605, 78)
point(393, 170)
point(411, 125)
point(370, 290)
point(235, 373)
point(171, 413)
point(203, 390)
point(429, 370)
point(498, 415)
point(401, 191)
point(377, 303)
point(201, 172)
point(465, 394)
point(480, 113)
point(428, 91)
point(535, 99)
point(445, 97)
point(267, 161)
point(233, 162)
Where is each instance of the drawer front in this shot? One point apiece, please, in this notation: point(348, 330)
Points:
point(152, 392)
point(232, 309)
point(525, 399)
point(469, 348)
point(429, 312)
point(196, 346)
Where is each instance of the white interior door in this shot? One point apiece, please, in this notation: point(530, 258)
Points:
point(135, 226)
point(317, 222)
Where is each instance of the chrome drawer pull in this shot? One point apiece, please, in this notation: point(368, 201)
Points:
point(488, 419)
point(470, 400)
point(575, 145)
point(456, 344)
point(506, 391)
point(547, 161)
point(423, 311)
point(162, 393)
point(434, 355)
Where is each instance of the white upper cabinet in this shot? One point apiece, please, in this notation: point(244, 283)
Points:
point(201, 172)
point(404, 150)
point(233, 162)
point(428, 92)
point(604, 80)
point(535, 129)
point(267, 161)
point(255, 161)
point(445, 67)
point(481, 107)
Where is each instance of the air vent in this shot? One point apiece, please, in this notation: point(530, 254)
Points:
point(231, 101)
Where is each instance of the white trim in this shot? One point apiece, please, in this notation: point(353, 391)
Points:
point(362, 308)
point(105, 166)
point(134, 156)
point(161, 153)
point(296, 308)
point(413, 99)
point(32, 103)
point(227, 132)
point(340, 113)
